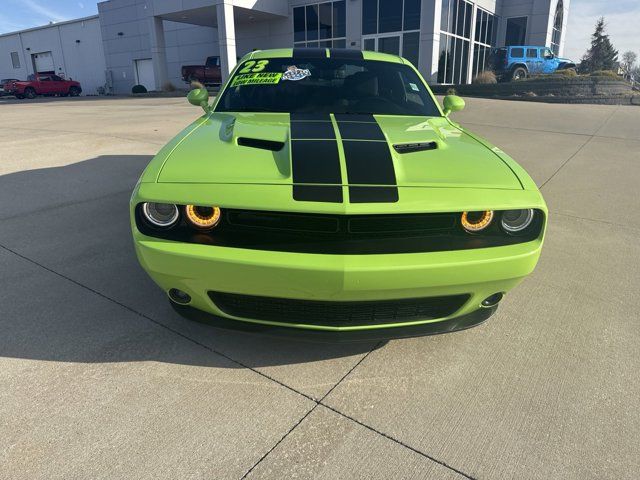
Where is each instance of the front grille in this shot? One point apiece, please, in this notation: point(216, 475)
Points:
point(340, 234)
point(337, 314)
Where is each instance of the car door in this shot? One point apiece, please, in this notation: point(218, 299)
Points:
point(58, 85)
point(42, 84)
point(533, 61)
point(550, 62)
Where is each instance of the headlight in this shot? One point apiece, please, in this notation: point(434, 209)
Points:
point(515, 221)
point(160, 214)
point(203, 217)
point(474, 222)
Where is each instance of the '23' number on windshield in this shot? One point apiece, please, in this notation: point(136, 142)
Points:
point(253, 66)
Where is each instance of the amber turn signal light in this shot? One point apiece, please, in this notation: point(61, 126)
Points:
point(474, 222)
point(204, 218)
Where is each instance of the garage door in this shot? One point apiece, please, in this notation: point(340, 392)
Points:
point(144, 74)
point(43, 62)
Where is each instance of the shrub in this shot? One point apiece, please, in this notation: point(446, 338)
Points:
point(606, 73)
point(196, 84)
point(168, 87)
point(451, 91)
point(138, 89)
point(485, 77)
point(566, 72)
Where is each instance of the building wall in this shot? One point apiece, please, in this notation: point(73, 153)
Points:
point(83, 61)
point(126, 33)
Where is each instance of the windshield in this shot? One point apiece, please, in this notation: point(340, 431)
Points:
point(325, 85)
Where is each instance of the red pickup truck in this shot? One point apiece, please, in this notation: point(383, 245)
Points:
point(207, 74)
point(43, 84)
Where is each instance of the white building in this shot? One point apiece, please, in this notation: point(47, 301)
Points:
point(73, 49)
point(148, 41)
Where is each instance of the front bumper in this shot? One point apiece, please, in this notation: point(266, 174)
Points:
point(199, 269)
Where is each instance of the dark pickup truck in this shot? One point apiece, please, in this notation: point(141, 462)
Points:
point(207, 74)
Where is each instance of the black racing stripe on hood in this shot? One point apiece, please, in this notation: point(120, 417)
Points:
point(369, 161)
point(373, 194)
point(309, 53)
point(318, 193)
point(315, 159)
point(346, 54)
point(355, 117)
point(360, 131)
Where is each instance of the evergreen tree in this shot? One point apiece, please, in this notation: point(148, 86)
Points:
point(601, 55)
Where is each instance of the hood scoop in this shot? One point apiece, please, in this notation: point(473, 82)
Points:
point(270, 145)
point(415, 147)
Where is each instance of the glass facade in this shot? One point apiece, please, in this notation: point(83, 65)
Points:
point(392, 26)
point(556, 35)
point(320, 25)
point(455, 40)
point(484, 39)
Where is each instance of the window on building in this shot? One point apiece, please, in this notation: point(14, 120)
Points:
point(484, 40)
point(15, 59)
point(455, 40)
point(320, 25)
point(392, 26)
point(516, 31)
point(556, 35)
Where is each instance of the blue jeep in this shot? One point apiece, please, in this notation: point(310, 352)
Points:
point(518, 62)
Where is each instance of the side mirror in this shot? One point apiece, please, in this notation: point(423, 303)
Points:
point(199, 97)
point(452, 103)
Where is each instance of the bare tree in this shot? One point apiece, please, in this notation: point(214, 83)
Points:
point(628, 65)
point(629, 60)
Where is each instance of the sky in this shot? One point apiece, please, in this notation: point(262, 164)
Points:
point(622, 17)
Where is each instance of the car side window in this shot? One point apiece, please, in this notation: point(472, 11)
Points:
point(517, 52)
point(548, 54)
point(45, 79)
point(532, 53)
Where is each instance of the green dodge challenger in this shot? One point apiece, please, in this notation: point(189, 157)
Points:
point(325, 191)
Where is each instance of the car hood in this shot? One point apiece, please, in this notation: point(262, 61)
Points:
point(214, 152)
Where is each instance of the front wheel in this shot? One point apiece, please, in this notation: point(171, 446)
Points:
point(30, 93)
point(74, 91)
point(519, 73)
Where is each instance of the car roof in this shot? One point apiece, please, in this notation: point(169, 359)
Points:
point(288, 53)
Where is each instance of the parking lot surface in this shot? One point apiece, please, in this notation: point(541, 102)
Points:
point(99, 378)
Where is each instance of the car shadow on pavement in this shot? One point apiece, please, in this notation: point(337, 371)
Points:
point(71, 288)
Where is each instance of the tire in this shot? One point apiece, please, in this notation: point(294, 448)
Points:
point(30, 93)
point(519, 73)
point(74, 91)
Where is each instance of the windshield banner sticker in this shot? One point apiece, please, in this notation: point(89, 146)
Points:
point(263, 78)
point(294, 73)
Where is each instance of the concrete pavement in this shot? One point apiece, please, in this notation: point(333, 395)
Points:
point(100, 379)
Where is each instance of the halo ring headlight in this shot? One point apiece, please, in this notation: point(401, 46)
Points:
point(204, 218)
point(515, 221)
point(474, 222)
point(161, 215)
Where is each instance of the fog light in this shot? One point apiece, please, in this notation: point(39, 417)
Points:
point(492, 300)
point(179, 296)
